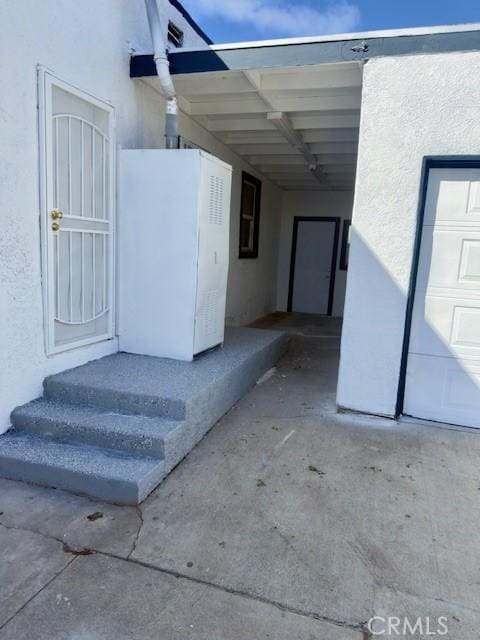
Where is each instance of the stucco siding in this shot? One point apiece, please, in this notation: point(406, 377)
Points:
point(87, 47)
point(412, 107)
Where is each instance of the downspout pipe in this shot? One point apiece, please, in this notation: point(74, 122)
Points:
point(163, 71)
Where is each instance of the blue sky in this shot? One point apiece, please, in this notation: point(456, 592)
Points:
point(237, 20)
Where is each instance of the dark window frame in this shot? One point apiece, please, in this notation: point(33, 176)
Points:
point(253, 253)
point(345, 245)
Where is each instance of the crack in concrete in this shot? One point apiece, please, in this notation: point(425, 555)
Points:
point(297, 553)
point(44, 586)
point(139, 511)
point(80, 551)
point(360, 627)
point(457, 605)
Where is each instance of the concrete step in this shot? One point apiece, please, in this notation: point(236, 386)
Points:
point(113, 384)
point(113, 428)
point(136, 434)
point(98, 473)
point(128, 383)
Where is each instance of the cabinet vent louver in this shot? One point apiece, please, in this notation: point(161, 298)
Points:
point(215, 204)
point(208, 317)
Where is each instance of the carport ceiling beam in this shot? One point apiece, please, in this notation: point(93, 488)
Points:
point(282, 123)
point(280, 120)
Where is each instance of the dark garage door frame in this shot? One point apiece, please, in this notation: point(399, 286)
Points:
point(429, 162)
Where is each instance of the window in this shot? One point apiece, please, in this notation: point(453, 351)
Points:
point(345, 245)
point(249, 216)
point(175, 35)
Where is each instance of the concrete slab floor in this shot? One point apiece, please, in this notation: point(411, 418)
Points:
point(286, 521)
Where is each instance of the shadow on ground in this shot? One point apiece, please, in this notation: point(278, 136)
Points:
point(287, 521)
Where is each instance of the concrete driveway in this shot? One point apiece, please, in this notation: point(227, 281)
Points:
point(288, 521)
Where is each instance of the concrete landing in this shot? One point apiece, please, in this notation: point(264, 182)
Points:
point(288, 521)
point(115, 427)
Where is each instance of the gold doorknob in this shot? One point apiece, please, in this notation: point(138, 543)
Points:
point(56, 214)
point(55, 226)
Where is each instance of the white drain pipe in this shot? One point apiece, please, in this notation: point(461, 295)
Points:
point(163, 71)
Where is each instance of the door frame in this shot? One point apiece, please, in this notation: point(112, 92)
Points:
point(429, 162)
point(46, 79)
point(333, 266)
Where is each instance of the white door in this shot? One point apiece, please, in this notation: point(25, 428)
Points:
point(443, 368)
point(313, 265)
point(78, 148)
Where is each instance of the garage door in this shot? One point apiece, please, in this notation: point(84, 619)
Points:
point(443, 367)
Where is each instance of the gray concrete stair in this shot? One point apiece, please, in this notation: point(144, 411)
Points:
point(62, 422)
point(114, 427)
point(99, 473)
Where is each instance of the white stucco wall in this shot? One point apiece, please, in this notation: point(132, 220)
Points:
point(311, 204)
point(412, 107)
point(90, 51)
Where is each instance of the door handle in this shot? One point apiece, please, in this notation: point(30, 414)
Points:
point(56, 214)
point(55, 226)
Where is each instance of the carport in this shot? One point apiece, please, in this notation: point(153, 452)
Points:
point(294, 128)
point(298, 127)
point(291, 110)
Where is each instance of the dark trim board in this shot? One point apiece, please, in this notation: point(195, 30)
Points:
point(344, 249)
point(188, 18)
point(429, 162)
point(273, 55)
point(293, 255)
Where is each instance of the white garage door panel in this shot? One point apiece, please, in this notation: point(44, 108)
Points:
point(443, 368)
point(448, 327)
point(456, 193)
point(443, 389)
point(454, 257)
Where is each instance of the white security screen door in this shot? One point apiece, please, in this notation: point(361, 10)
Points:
point(443, 368)
point(314, 257)
point(77, 220)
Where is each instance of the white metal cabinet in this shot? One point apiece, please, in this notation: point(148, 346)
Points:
point(173, 251)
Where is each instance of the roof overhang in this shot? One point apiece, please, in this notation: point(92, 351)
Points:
point(291, 108)
point(297, 126)
point(320, 50)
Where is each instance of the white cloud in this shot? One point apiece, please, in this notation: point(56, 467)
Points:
point(283, 18)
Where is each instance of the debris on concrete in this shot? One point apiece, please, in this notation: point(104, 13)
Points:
point(80, 551)
point(314, 469)
point(96, 515)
